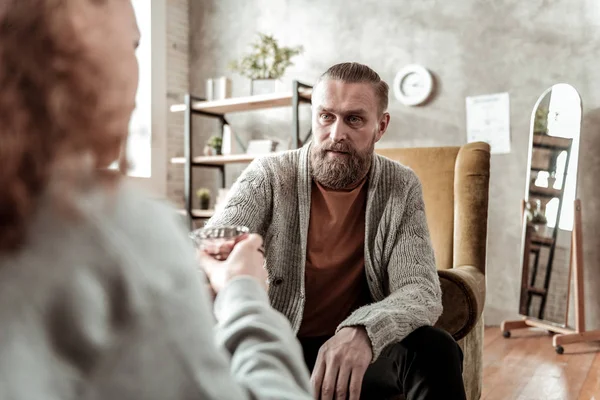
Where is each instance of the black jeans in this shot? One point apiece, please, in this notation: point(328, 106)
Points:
point(427, 364)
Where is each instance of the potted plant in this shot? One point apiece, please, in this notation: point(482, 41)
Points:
point(203, 195)
point(215, 143)
point(265, 64)
point(540, 123)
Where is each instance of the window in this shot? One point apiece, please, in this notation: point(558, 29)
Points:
point(139, 143)
point(146, 143)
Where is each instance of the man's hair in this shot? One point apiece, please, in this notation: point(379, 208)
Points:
point(353, 72)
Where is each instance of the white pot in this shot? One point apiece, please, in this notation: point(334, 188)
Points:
point(218, 88)
point(265, 86)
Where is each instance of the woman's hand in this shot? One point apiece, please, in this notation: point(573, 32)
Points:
point(245, 259)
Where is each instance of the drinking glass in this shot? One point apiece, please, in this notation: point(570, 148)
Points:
point(218, 241)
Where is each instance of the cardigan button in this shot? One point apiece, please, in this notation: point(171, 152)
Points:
point(277, 281)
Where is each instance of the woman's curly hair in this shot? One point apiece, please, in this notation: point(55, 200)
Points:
point(49, 108)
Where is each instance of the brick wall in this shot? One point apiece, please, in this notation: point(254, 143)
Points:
point(177, 87)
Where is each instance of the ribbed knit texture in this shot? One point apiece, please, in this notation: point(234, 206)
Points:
point(272, 197)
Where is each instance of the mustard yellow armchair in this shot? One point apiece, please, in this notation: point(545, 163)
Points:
point(455, 188)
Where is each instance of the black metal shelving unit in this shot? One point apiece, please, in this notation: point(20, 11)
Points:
point(555, 145)
point(196, 106)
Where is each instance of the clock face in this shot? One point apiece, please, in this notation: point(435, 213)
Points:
point(413, 85)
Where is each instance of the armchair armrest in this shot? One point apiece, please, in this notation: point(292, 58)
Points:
point(463, 298)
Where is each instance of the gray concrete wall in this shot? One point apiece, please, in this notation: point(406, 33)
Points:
point(473, 47)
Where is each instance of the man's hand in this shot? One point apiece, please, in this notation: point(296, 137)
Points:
point(341, 365)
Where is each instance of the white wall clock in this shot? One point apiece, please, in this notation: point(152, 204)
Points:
point(413, 85)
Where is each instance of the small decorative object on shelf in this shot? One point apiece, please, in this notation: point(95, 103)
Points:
point(203, 195)
point(537, 218)
point(225, 148)
point(552, 178)
point(552, 168)
point(226, 142)
point(264, 146)
point(265, 64)
point(215, 144)
point(264, 86)
point(218, 88)
point(533, 179)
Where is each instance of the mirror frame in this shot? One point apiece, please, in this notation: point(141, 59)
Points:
point(524, 303)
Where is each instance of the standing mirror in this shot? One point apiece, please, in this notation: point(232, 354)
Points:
point(548, 205)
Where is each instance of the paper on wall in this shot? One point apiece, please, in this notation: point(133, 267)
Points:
point(488, 120)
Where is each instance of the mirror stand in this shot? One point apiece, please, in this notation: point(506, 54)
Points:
point(565, 335)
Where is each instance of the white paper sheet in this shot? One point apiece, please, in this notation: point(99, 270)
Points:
point(488, 120)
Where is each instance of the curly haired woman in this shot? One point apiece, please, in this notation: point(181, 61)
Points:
point(99, 296)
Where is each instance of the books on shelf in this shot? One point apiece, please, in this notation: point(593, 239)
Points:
point(264, 146)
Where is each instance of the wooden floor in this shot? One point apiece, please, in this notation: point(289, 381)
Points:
point(526, 367)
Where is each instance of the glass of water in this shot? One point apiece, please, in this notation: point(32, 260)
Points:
point(218, 241)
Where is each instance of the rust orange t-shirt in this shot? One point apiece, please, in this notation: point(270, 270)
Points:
point(335, 280)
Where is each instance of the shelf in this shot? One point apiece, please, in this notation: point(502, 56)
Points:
point(551, 142)
point(540, 159)
point(216, 160)
point(221, 160)
point(297, 94)
point(537, 191)
point(248, 103)
point(535, 248)
point(542, 240)
point(197, 213)
point(537, 291)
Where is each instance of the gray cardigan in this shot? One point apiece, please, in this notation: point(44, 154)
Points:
point(111, 306)
point(272, 197)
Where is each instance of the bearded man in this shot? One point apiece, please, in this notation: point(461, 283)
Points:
point(348, 253)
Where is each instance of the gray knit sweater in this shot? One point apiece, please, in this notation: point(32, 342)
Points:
point(272, 197)
point(111, 305)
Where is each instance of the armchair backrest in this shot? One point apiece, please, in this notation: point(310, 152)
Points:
point(455, 189)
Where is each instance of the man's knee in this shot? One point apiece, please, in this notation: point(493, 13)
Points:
point(433, 343)
point(428, 354)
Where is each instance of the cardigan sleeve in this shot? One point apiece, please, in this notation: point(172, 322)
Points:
point(168, 344)
point(248, 202)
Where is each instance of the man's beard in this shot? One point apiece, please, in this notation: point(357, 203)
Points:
point(339, 172)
